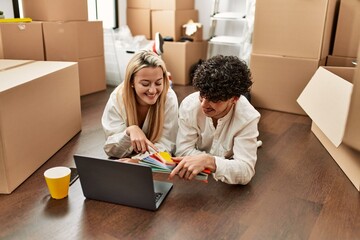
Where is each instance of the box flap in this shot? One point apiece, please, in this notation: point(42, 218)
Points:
point(6, 64)
point(326, 99)
point(20, 74)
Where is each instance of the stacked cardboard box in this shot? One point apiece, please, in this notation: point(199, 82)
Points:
point(180, 57)
point(39, 113)
point(146, 17)
point(69, 36)
point(21, 41)
point(347, 35)
point(290, 40)
point(138, 17)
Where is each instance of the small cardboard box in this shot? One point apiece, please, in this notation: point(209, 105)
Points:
point(279, 80)
point(138, 4)
point(347, 34)
point(179, 57)
point(92, 75)
point(294, 28)
point(172, 4)
point(169, 22)
point(71, 41)
point(139, 21)
point(23, 41)
point(330, 100)
point(56, 10)
point(340, 61)
point(39, 113)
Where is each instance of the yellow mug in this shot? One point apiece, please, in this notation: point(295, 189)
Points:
point(58, 180)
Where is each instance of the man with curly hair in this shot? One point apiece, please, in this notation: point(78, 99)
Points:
point(218, 127)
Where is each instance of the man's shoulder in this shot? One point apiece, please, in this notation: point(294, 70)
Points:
point(191, 101)
point(245, 109)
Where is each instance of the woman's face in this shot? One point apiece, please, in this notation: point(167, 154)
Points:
point(148, 85)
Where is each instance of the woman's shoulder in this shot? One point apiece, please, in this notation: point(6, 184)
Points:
point(171, 93)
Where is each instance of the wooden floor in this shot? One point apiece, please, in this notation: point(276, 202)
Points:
point(298, 191)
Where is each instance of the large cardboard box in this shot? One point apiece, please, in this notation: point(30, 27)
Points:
point(294, 28)
point(92, 75)
point(329, 100)
point(169, 22)
point(71, 41)
point(347, 35)
point(278, 81)
point(22, 41)
point(39, 113)
point(139, 21)
point(138, 4)
point(55, 10)
point(179, 58)
point(172, 4)
point(341, 61)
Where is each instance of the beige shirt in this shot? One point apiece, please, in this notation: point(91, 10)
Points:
point(118, 143)
point(232, 142)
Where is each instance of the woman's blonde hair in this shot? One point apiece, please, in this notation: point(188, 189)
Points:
point(144, 59)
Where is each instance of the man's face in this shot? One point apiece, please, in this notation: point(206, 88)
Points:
point(216, 110)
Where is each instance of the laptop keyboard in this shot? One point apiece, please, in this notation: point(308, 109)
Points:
point(158, 196)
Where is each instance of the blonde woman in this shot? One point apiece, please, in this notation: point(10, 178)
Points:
point(141, 113)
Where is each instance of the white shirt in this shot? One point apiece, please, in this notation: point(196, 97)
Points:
point(232, 142)
point(114, 122)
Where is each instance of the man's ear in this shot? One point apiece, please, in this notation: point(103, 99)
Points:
point(235, 99)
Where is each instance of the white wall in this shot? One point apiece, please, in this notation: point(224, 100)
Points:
point(7, 7)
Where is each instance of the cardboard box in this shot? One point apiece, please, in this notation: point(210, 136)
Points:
point(172, 4)
point(347, 73)
point(347, 35)
point(346, 157)
point(71, 41)
point(278, 81)
point(179, 57)
point(169, 22)
point(21, 41)
point(340, 61)
point(352, 130)
point(139, 21)
point(138, 4)
point(92, 75)
point(327, 99)
point(39, 113)
point(55, 10)
point(294, 28)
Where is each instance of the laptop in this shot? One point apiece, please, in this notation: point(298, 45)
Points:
point(120, 183)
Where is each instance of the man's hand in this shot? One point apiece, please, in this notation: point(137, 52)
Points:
point(190, 166)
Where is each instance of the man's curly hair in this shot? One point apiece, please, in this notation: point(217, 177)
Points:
point(222, 77)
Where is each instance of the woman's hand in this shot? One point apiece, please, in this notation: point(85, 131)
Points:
point(129, 160)
point(139, 141)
